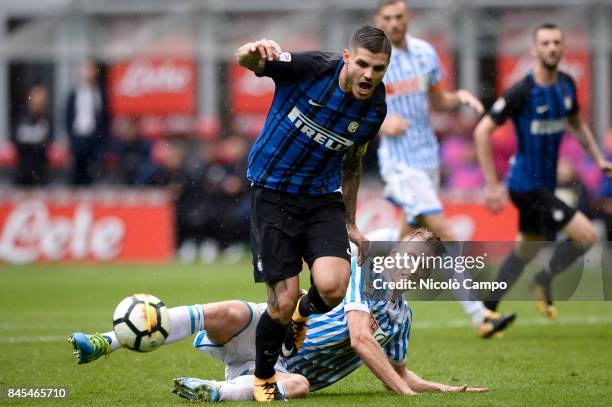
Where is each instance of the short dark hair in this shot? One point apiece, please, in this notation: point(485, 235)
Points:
point(431, 239)
point(546, 26)
point(384, 3)
point(371, 38)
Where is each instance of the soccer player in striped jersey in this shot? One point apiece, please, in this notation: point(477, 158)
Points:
point(408, 153)
point(541, 105)
point(366, 328)
point(305, 168)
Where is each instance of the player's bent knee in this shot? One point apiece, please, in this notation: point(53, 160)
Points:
point(331, 286)
point(238, 314)
point(226, 313)
point(587, 238)
point(334, 296)
point(225, 319)
point(296, 386)
point(581, 230)
point(302, 386)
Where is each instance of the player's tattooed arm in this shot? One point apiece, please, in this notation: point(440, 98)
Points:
point(351, 177)
point(254, 55)
point(419, 384)
point(585, 136)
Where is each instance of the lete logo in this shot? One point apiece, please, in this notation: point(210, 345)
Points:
point(142, 78)
point(30, 233)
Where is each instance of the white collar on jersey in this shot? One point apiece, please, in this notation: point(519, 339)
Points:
point(395, 50)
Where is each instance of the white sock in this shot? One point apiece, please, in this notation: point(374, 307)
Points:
point(184, 322)
point(476, 310)
point(241, 388)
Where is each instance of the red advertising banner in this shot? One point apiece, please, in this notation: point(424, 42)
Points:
point(447, 62)
point(469, 220)
point(105, 225)
point(153, 86)
point(251, 97)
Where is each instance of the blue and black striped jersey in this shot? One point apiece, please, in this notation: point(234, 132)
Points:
point(539, 114)
point(311, 125)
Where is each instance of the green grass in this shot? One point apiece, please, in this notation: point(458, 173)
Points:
point(567, 362)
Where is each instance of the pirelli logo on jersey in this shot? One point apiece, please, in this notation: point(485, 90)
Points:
point(318, 133)
point(546, 127)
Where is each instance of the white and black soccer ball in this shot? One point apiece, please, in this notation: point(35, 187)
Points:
point(141, 322)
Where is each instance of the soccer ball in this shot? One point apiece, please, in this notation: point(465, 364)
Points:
point(141, 322)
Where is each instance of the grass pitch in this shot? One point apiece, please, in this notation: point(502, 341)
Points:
point(566, 362)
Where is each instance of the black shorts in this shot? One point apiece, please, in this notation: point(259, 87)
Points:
point(287, 228)
point(541, 212)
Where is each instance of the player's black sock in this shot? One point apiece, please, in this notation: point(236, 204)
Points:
point(312, 303)
point(564, 255)
point(509, 272)
point(269, 339)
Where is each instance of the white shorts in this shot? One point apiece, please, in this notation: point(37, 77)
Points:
point(238, 353)
point(414, 191)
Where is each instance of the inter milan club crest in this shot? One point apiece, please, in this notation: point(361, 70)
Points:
point(353, 126)
point(283, 57)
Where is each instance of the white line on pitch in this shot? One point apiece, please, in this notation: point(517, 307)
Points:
point(454, 323)
point(33, 339)
point(465, 322)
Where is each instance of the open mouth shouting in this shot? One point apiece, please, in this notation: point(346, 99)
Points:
point(364, 88)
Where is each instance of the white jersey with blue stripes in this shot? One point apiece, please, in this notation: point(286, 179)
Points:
point(326, 355)
point(411, 72)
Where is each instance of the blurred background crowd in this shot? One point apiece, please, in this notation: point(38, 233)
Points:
point(145, 94)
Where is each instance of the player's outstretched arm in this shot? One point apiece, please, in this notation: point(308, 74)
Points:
point(351, 177)
point(445, 101)
point(494, 193)
point(253, 55)
point(583, 133)
point(419, 384)
point(364, 344)
point(394, 125)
